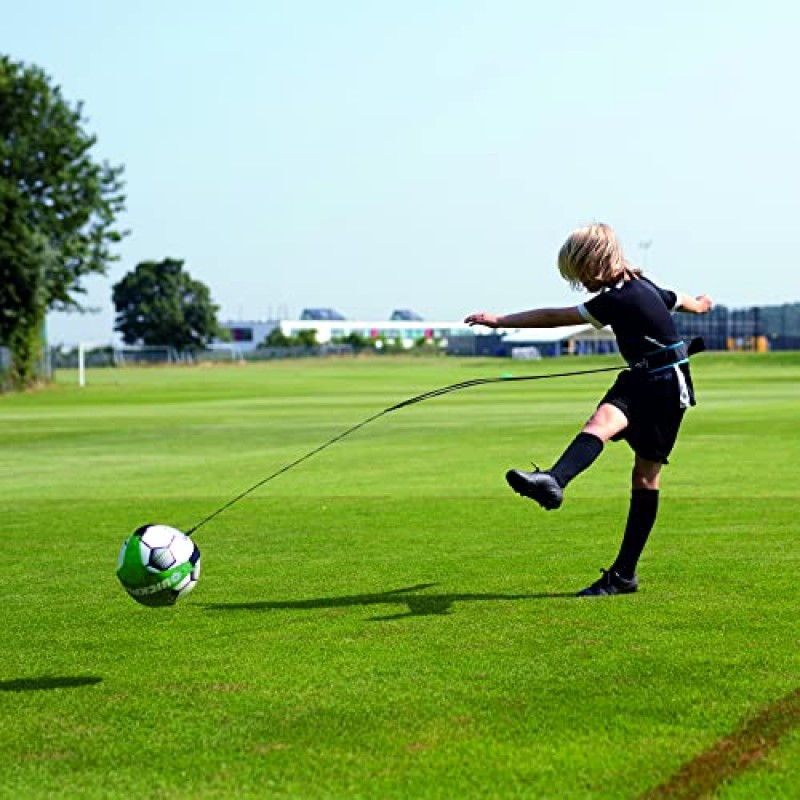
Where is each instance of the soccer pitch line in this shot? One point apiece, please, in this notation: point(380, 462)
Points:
point(730, 756)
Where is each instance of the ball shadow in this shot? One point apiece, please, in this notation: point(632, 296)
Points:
point(45, 683)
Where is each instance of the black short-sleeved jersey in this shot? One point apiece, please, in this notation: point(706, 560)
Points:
point(638, 312)
point(654, 401)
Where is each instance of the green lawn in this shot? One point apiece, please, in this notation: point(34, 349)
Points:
point(388, 620)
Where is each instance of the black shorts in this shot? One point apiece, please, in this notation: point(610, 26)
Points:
point(652, 405)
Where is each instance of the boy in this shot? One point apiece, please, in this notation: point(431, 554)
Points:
point(646, 404)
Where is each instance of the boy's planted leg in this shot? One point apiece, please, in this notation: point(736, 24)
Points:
point(642, 514)
point(641, 518)
point(621, 577)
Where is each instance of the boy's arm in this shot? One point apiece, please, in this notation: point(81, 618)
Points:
point(535, 318)
point(694, 305)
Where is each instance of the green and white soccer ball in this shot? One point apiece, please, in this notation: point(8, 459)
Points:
point(158, 565)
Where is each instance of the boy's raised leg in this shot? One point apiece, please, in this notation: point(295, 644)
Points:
point(547, 488)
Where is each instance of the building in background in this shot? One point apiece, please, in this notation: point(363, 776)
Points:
point(456, 338)
point(536, 342)
point(321, 313)
point(249, 334)
point(755, 329)
point(406, 315)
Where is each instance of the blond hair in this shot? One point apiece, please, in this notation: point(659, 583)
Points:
point(592, 258)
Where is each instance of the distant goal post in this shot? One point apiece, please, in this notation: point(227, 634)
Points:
point(146, 355)
point(134, 355)
point(143, 355)
point(122, 355)
point(83, 349)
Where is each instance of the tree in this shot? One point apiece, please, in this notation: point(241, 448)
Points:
point(161, 304)
point(57, 208)
point(357, 341)
point(275, 338)
point(306, 337)
point(23, 260)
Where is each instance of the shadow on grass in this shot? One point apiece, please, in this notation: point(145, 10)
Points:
point(418, 605)
point(46, 683)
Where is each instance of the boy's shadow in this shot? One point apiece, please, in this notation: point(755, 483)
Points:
point(419, 605)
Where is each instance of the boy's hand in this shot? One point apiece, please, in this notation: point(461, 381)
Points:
point(696, 305)
point(704, 303)
point(489, 320)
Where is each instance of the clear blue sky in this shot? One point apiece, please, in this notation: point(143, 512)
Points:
point(370, 155)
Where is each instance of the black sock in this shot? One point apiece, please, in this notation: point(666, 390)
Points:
point(641, 518)
point(581, 453)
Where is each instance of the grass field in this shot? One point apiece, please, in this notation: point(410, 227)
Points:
point(388, 620)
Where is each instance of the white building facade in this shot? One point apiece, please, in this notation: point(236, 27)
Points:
point(247, 335)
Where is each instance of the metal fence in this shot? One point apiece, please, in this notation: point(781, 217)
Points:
point(107, 356)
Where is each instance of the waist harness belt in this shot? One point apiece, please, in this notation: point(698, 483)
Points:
point(668, 356)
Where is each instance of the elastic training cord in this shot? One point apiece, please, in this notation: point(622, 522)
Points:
point(503, 379)
point(287, 468)
point(453, 387)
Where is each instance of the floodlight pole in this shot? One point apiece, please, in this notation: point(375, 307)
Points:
point(645, 246)
point(81, 365)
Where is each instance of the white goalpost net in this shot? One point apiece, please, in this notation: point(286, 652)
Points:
point(121, 356)
point(144, 355)
point(219, 351)
point(128, 355)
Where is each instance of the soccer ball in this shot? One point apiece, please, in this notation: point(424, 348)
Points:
point(158, 565)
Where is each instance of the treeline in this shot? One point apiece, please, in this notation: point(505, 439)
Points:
point(58, 209)
point(356, 342)
point(58, 225)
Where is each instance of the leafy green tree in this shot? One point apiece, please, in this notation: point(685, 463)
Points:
point(276, 338)
point(307, 337)
point(57, 208)
point(23, 261)
point(161, 304)
point(356, 340)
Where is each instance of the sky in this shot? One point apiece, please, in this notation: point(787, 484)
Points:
point(368, 155)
